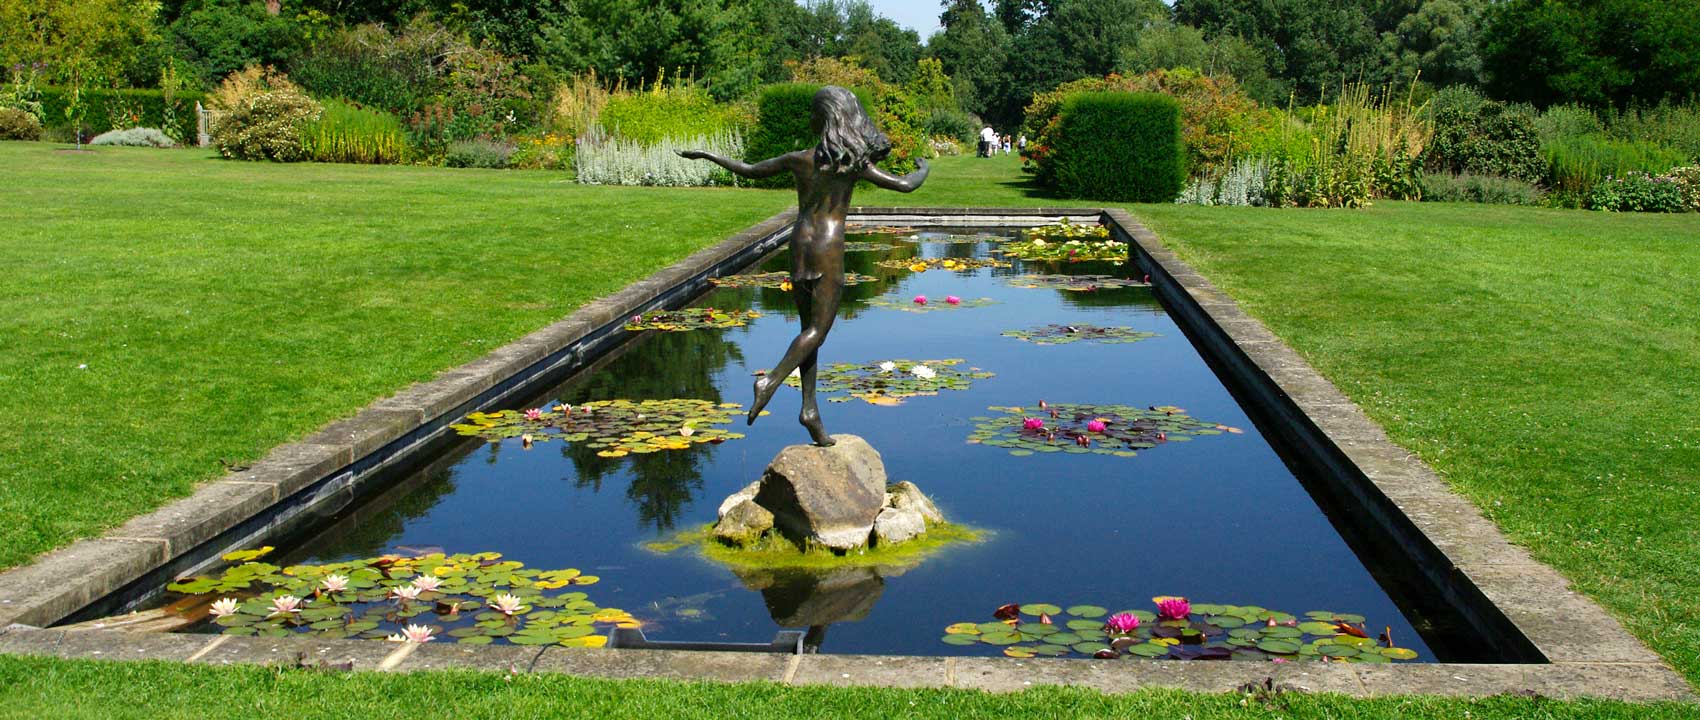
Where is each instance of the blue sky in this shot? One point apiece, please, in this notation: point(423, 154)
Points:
point(922, 16)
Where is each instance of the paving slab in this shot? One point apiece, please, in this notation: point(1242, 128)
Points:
point(437, 397)
point(1441, 679)
point(1630, 682)
point(1563, 624)
point(872, 671)
point(233, 650)
point(366, 432)
point(63, 581)
point(119, 645)
point(1131, 674)
point(675, 664)
point(289, 468)
point(212, 509)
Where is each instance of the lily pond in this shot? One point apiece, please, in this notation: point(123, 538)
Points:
point(1050, 404)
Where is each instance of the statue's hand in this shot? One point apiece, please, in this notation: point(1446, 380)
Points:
point(693, 154)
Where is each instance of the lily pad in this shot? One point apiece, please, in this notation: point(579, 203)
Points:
point(931, 305)
point(1066, 242)
point(615, 428)
point(690, 319)
point(890, 382)
point(1074, 283)
point(1063, 334)
point(1087, 611)
point(1080, 428)
point(778, 280)
point(956, 264)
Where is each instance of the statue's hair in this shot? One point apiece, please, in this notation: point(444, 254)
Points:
point(849, 142)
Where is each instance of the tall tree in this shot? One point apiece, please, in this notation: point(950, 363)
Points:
point(1599, 52)
point(718, 41)
point(1438, 40)
point(1314, 44)
point(972, 49)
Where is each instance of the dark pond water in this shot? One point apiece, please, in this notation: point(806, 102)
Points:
point(1219, 519)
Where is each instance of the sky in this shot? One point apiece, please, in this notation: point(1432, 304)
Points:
point(922, 16)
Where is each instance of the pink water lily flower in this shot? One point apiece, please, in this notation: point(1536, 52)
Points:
point(1173, 608)
point(286, 605)
point(334, 583)
point(952, 299)
point(414, 634)
point(534, 414)
point(1096, 426)
point(1032, 423)
point(920, 299)
point(1121, 623)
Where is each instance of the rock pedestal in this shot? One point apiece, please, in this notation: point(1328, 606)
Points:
point(834, 497)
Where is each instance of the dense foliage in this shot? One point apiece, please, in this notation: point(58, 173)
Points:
point(1117, 146)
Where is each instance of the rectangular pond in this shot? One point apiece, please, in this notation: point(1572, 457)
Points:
point(1212, 511)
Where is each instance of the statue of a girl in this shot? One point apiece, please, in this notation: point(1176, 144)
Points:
point(826, 174)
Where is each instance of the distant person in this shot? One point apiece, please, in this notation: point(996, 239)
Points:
point(1007, 145)
point(1021, 143)
point(987, 137)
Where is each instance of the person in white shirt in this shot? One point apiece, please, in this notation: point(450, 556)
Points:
point(988, 140)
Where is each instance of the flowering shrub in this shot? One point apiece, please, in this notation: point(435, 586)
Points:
point(487, 154)
point(18, 124)
point(134, 137)
point(1639, 192)
point(259, 115)
point(1688, 179)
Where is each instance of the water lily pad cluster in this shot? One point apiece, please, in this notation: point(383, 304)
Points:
point(924, 304)
point(855, 246)
point(1074, 283)
point(957, 264)
point(888, 382)
point(614, 427)
point(1066, 250)
point(954, 239)
point(777, 279)
point(690, 319)
point(1119, 430)
point(879, 229)
point(1055, 334)
point(1065, 230)
point(1179, 630)
point(469, 598)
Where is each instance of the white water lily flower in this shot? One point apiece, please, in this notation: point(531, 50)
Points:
point(223, 607)
point(687, 431)
point(506, 604)
point(797, 373)
point(923, 372)
point(334, 583)
point(888, 366)
point(405, 593)
point(1038, 242)
point(427, 583)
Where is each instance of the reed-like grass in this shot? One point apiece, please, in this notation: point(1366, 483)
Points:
point(346, 133)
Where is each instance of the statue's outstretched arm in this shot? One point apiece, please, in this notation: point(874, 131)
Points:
point(764, 169)
point(907, 183)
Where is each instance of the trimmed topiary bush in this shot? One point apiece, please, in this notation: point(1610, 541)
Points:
point(134, 137)
point(18, 125)
point(1117, 146)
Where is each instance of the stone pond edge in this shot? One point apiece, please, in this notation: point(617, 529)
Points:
point(1589, 653)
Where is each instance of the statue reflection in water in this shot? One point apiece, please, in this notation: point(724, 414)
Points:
point(849, 147)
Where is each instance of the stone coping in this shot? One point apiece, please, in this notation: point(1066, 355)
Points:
point(1586, 652)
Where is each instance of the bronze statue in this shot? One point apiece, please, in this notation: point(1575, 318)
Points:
point(826, 174)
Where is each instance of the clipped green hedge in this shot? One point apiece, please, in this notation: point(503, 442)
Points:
point(102, 104)
point(782, 124)
point(1118, 146)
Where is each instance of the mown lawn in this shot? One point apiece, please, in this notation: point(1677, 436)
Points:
point(167, 312)
point(1546, 362)
point(46, 688)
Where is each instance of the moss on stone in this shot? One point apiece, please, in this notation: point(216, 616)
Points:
point(777, 552)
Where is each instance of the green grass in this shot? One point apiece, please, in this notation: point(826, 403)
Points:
point(49, 688)
point(1546, 362)
point(222, 308)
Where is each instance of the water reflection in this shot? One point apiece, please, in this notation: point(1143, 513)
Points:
point(670, 364)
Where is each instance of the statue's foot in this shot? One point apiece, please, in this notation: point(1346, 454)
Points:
point(811, 420)
point(764, 393)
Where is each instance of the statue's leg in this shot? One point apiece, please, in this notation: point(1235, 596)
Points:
point(810, 417)
point(817, 307)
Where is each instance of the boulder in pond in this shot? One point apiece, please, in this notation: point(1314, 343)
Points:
point(828, 496)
